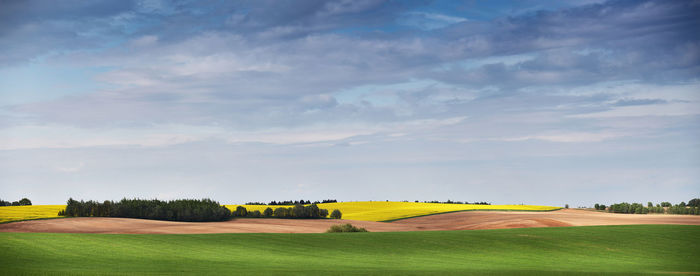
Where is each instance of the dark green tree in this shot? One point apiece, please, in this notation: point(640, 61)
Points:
point(323, 213)
point(336, 214)
point(695, 202)
point(299, 211)
point(268, 212)
point(280, 212)
point(25, 201)
point(240, 212)
point(313, 211)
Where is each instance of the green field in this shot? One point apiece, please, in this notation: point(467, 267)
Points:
point(589, 250)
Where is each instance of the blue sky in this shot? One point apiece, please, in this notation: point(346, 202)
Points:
point(535, 102)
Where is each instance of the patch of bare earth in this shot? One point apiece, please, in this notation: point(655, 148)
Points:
point(449, 221)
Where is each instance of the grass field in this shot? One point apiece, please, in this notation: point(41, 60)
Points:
point(392, 210)
point(16, 213)
point(537, 251)
point(361, 210)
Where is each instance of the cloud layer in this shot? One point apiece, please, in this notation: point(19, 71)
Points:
point(310, 98)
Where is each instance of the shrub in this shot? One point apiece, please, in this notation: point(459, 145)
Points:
point(323, 213)
point(345, 228)
point(336, 214)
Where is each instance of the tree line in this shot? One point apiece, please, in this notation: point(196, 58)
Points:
point(22, 202)
point(174, 210)
point(455, 202)
point(691, 208)
point(292, 202)
point(298, 211)
point(185, 210)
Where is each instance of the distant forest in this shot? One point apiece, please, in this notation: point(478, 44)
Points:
point(186, 210)
point(456, 202)
point(690, 208)
point(22, 202)
point(303, 202)
point(175, 210)
point(292, 202)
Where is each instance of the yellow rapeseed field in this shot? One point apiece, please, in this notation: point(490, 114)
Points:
point(392, 210)
point(15, 213)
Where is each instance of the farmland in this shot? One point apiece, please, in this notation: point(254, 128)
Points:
point(599, 249)
point(392, 210)
point(17, 213)
point(362, 210)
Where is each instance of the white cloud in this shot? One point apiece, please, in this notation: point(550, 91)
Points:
point(58, 136)
point(574, 137)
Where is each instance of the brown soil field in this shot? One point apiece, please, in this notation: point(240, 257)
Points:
point(450, 221)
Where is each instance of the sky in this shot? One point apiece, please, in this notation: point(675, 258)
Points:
point(508, 102)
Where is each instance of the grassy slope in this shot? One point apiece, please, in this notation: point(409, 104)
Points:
point(599, 249)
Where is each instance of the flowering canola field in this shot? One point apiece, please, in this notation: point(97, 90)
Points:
point(15, 213)
point(392, 210)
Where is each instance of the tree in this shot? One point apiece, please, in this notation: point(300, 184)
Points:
point(336, 214)
point(5, 203)
point(566, 206)
point(15, 203)
point(313, 211)
point(240, 212)
point(649, 204)
point(596, 206)
point(268, 212)
point(255, 214)
point(299, 211)
point(280, 212)
point(323, 213)
point(25, 201)
point(695, 202)
point(665, 204)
